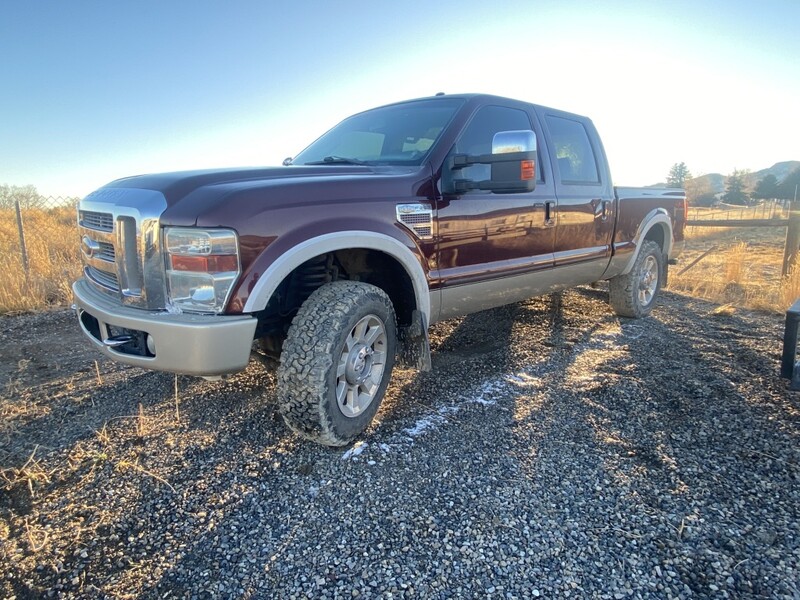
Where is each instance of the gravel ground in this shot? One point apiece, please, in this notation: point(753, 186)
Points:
point(555, 451)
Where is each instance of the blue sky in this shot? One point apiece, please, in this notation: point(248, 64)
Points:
point(96, 90)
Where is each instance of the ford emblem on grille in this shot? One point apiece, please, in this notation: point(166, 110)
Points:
point(89, 246)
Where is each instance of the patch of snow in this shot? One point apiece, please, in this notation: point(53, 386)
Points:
point(424, 424)
point(487, 393)
point(357, 449)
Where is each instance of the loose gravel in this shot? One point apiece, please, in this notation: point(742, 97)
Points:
point(555, 451)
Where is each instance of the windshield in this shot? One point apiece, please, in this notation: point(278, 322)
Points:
point(401, 134)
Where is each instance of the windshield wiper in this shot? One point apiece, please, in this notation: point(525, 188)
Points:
point(337, 160)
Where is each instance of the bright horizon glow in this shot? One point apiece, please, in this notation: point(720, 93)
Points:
point(98, 91)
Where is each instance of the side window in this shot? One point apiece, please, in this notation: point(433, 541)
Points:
point(574, 154)
point(477, 137)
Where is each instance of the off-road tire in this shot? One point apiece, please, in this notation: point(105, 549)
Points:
point(314, 348)
point(634, 294)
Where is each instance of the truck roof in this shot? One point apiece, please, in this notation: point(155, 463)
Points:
point(481, 98)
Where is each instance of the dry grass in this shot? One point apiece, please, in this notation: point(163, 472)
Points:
point(51, 238)
point(742, 270)
point(31, 475)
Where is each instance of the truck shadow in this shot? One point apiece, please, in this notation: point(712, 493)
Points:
point(670, 416)
point(463, 350)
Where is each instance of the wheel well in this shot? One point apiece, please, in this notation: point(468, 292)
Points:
point(355, 264)
point(385, 272)
point(656, 234)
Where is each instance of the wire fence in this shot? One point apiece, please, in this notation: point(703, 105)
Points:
point(774, 214)
point(39, 251)
point(765, 211)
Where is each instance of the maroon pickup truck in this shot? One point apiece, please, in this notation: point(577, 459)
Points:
point(336, 263)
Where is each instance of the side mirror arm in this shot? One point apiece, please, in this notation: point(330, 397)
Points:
point(511, 172)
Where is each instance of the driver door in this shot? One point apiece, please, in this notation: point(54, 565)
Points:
point(490, 243)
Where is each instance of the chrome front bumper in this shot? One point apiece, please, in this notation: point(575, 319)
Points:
point(204, 345)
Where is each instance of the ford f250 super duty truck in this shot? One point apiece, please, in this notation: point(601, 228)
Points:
point(338, 261)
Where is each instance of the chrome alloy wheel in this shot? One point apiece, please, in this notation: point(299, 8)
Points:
point(648, 280)
point(361, 365)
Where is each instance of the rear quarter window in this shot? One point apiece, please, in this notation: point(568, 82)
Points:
point(575, 158)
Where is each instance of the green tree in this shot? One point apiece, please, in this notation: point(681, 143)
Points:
point(699, 191)
point(735, 188)
point(786, 190)
point(678, 175)
point(766, 188)
point(27, 196)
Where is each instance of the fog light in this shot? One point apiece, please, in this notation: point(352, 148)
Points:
point(151, 344)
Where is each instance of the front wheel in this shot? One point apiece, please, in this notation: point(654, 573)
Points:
point(634, 294)
point(337, 361)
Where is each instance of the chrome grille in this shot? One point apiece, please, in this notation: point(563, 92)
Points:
point(97, 220)
point(416, 218)
point(107, 252)
point(423, 232)
point(120, 241)
point(103, 278)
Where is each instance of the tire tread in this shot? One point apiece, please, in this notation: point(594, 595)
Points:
point(622, 289)
point(307, 357)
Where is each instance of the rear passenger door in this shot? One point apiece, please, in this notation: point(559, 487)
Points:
point(585, 213)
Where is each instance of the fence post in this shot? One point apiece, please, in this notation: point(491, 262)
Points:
point(22, 247)
point(792, 247)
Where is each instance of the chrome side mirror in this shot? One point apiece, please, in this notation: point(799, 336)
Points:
point(504, 142)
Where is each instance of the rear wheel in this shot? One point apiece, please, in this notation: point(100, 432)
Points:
point(337, 361)
point(634, 294)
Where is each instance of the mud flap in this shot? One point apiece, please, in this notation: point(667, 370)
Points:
point(415, 348)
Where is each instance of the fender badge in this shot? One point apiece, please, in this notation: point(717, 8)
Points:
point(411, 208)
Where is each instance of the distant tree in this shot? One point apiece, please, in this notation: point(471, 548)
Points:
point(678, 175)
point(735, 188)
point(766, 188)
point(786, 189)
point(27, 196)
point(699, 191)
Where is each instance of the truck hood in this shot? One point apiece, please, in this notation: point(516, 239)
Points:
point(211, 197)
point(176, 186)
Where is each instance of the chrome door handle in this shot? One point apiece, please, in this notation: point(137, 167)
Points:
point(606, 210)
point(550, 213)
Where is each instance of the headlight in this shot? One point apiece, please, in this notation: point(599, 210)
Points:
point(202, 267)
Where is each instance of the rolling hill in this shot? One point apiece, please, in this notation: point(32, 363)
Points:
point(716, 181)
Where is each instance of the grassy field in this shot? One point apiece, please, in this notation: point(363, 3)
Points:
point(742, 269)
point(51, 238)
